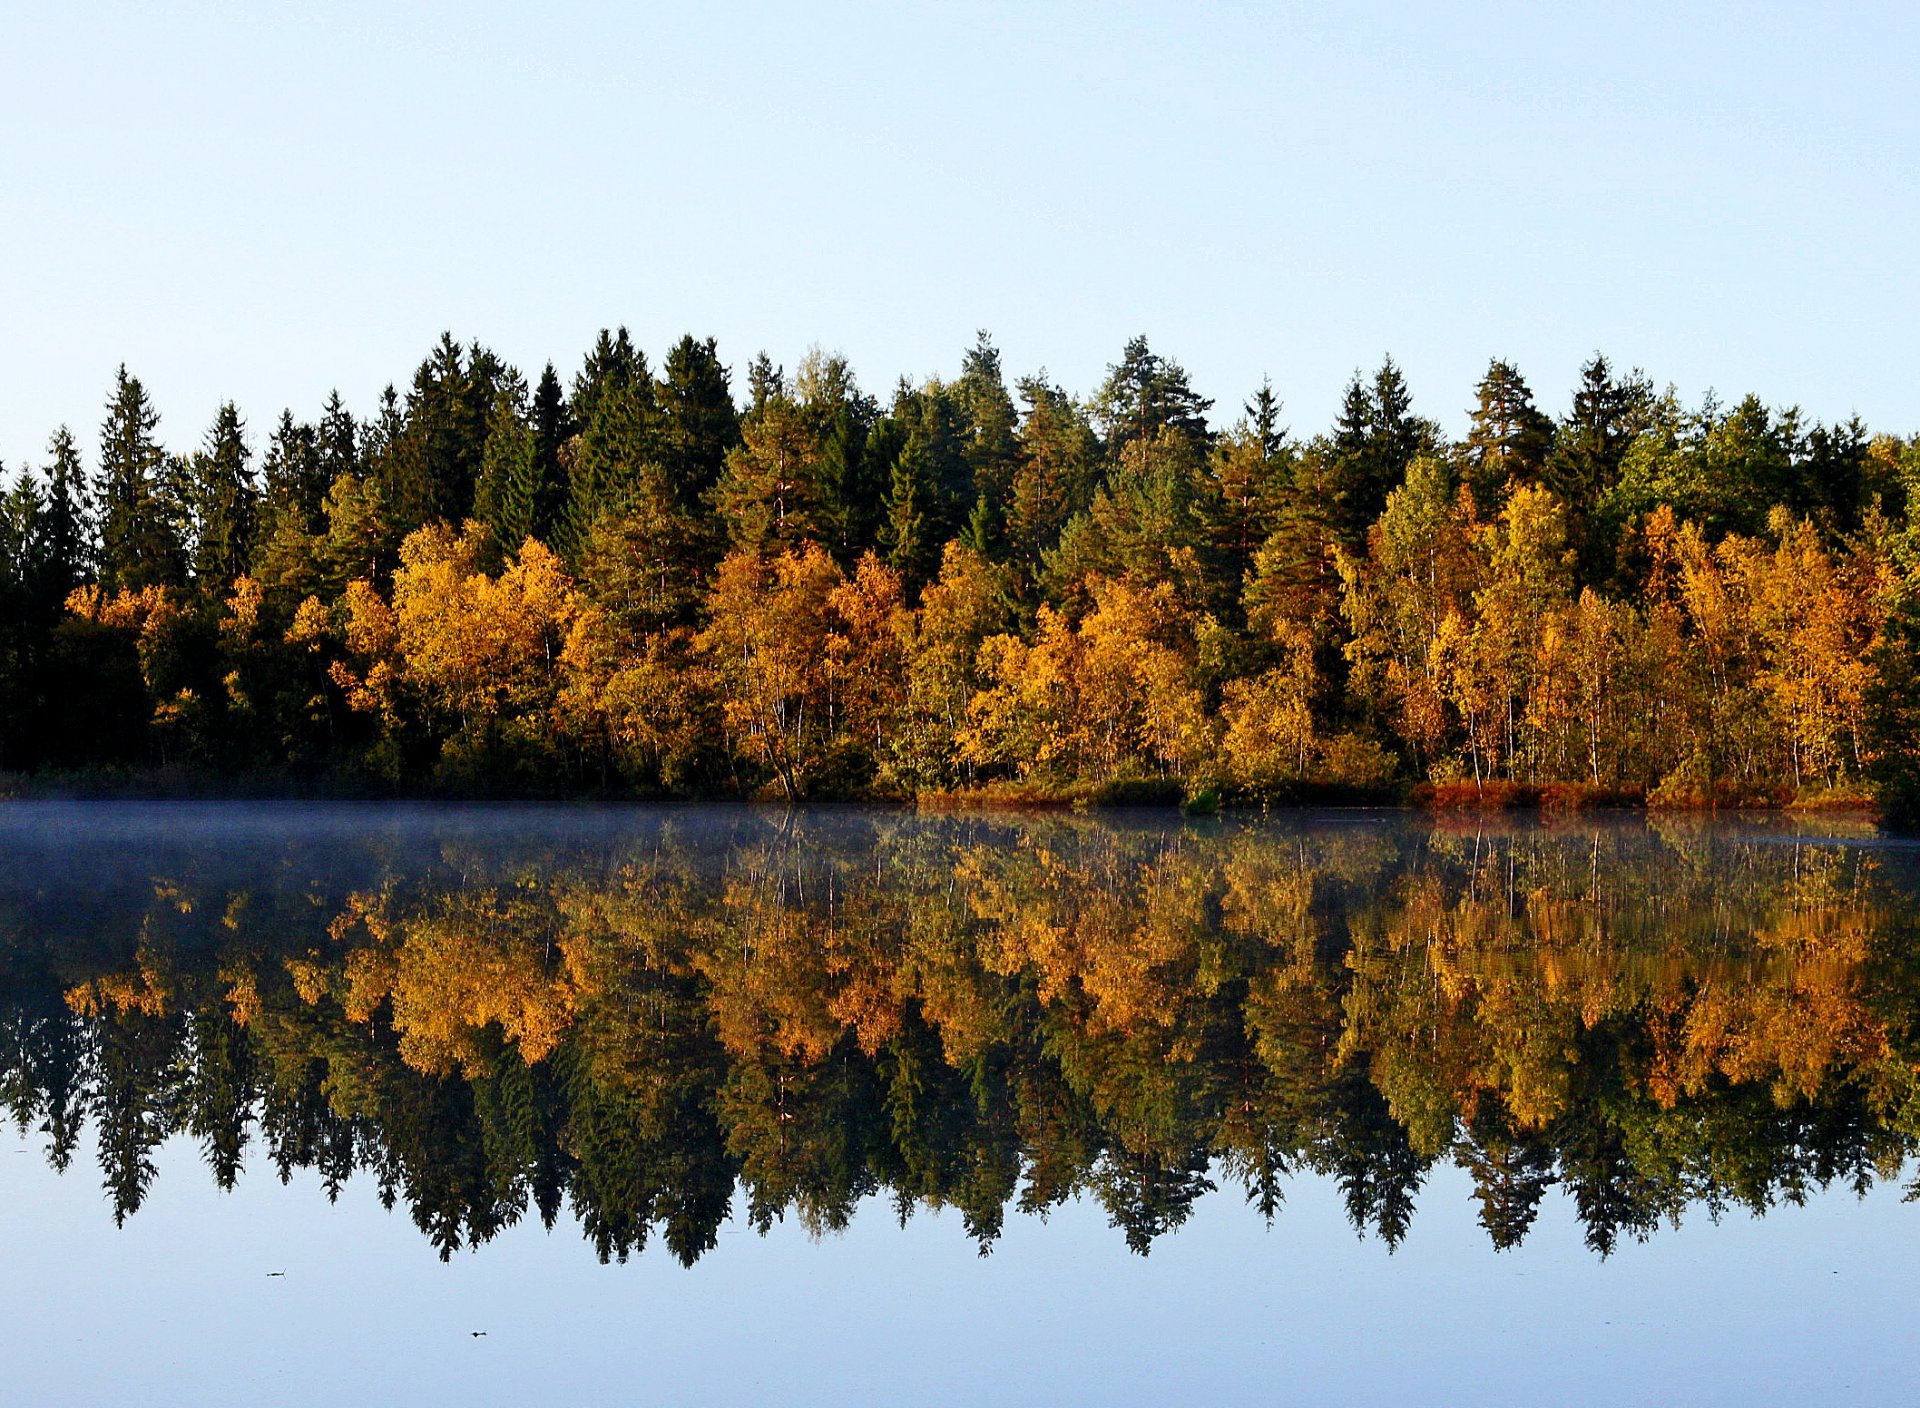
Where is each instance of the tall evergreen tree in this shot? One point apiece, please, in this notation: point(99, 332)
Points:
point(223, 499)
point(337, 438)
point(66, 523)
point(553, 429)
point(1508, 438)
point(698, 422)
point(138, 546)
point(294, 472)
point(1144, 394)
point(621, 438)
point(613, 365)
point(1587, 453)
point(509, 494)
point(431, 466)
point(990, 421)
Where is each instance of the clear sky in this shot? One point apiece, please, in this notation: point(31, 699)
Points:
point(243, 201)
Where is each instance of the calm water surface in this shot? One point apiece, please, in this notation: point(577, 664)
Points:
point(725, 1106)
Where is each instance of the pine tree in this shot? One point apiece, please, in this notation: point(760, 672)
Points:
point(1145, 394)
point(137, 543)
point(768, 495)
point(1508, 439)
point(765, 383)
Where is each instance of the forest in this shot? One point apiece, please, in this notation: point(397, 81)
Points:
point(652, 583)
point(690, 1021)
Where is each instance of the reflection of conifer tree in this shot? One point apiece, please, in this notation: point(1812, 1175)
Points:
point(1368, 1151)
point(219, 1091)
point(1512, 1170)
point(134, 1100)
point(1146, 1195)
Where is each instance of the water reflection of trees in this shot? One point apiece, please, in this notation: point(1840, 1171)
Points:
point(635, 1021)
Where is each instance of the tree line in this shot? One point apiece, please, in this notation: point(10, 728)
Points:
point(645, 582)
point(655, 1028)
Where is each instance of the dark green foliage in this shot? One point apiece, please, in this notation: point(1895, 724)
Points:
point(698, 422)
point(295, 472)
point(138, 544)
point(224, 501)
point(508, 496)
point(1143, 395)
point(430, 463)
point(553, 430)
point(1508, 438)
point(1893, 713)
point(1374, 441)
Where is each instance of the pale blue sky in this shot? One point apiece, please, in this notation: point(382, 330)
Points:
point(243, 201)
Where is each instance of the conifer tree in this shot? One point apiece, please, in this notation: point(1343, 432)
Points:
point(1508, 438)
point(430, 466)
point(989, 421)
point(765, 382)
point(223, 499)
point(553, 430)
point(698, 422)
point(66, 522)
point(509, 494)
point(909, 533)
point(1144, 394)
point(294, 472)
point(767, 497)
point(137, 543)
point(621, 438)
point(613, 365)
point(1587, 453)
point(337, 438)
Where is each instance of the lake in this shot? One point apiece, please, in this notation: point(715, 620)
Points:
point(324, 1104)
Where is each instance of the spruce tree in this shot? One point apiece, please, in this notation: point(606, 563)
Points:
point(910, 535)
point(507, 499)
point(66, 523)
point(988, 417)
point(698, 422)
point(431, 465)
point(553, 428)
point(222, 497)
point(1587, 453)
point(613, 365)
point(622, 438)
point(293, 472)
point(337, 439)
point(137, 545)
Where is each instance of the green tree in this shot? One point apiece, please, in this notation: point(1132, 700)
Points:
point(224, 500)
point(1508, 438)
point(699, 425)
point(138, 546)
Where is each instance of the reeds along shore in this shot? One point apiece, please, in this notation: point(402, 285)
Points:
point(670, 584)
